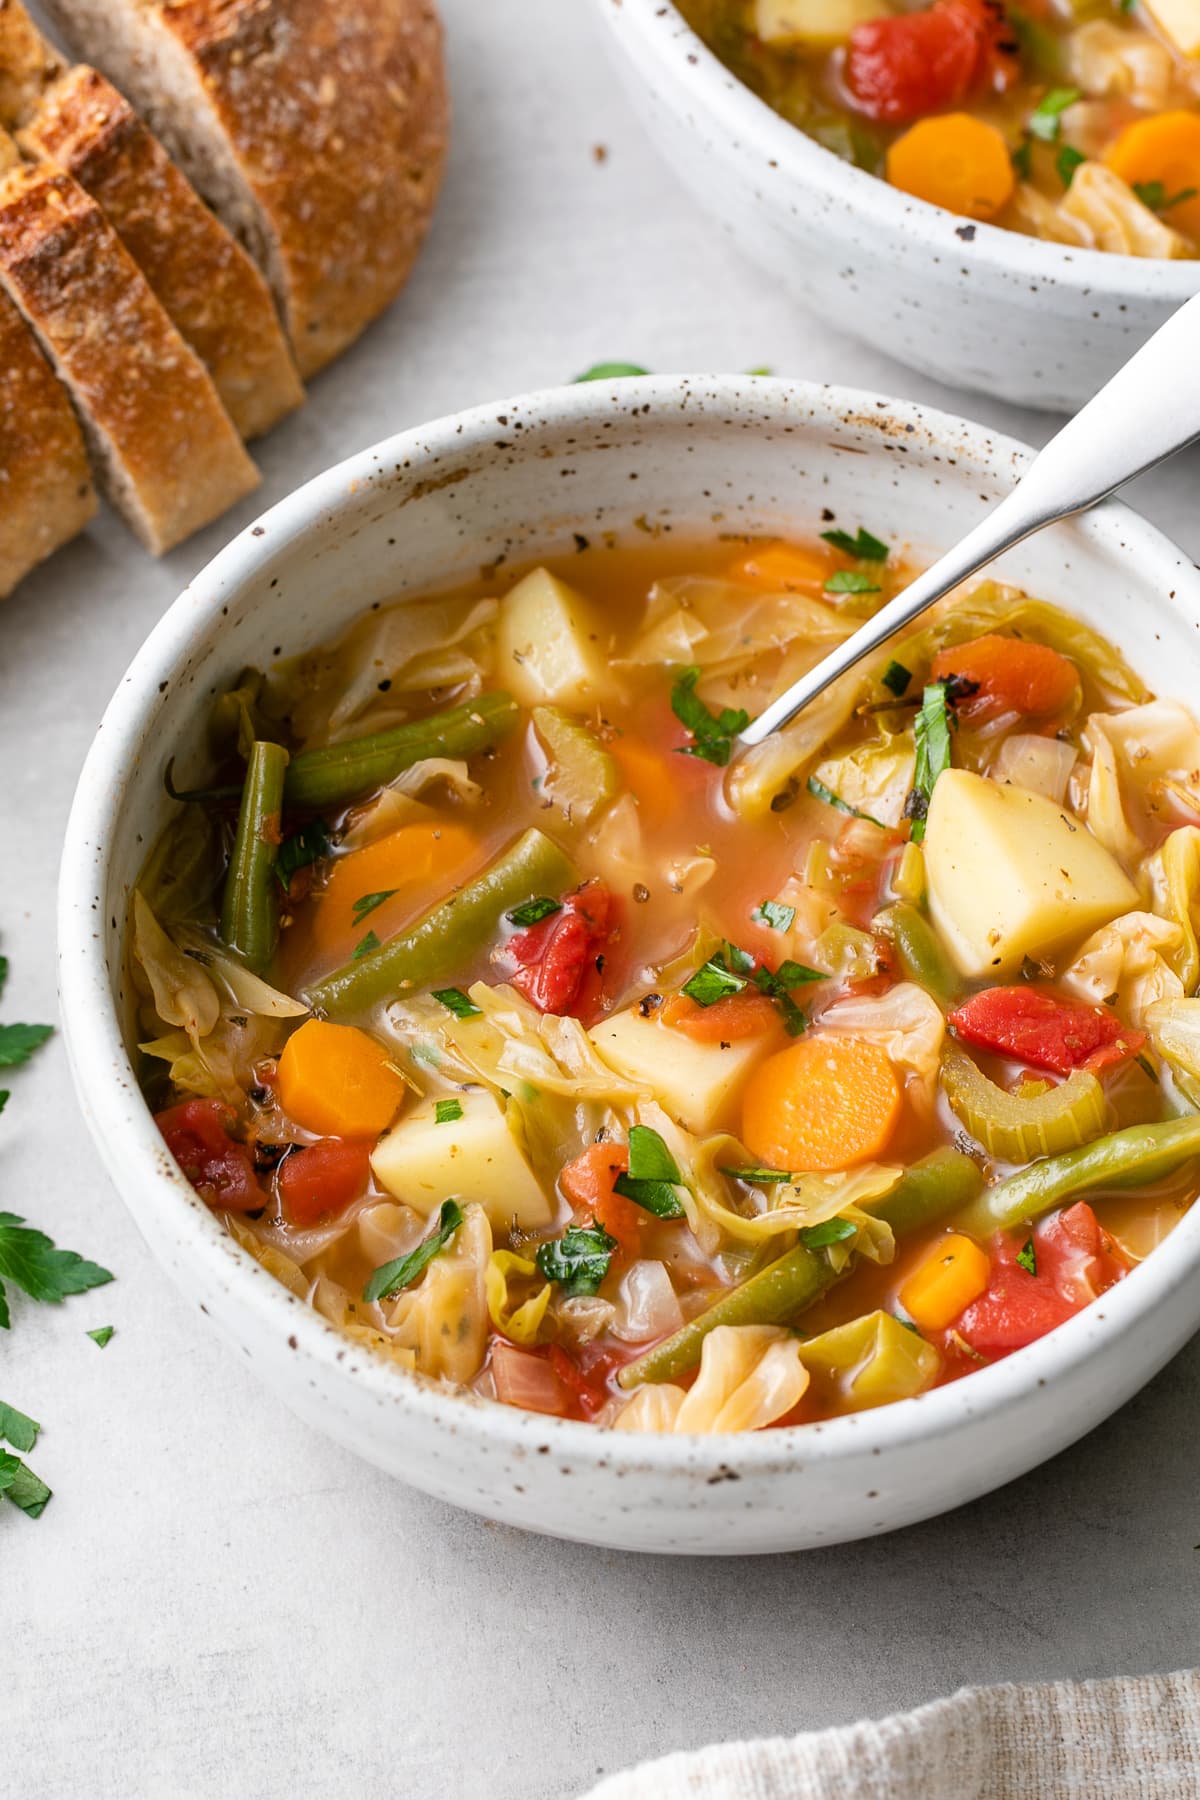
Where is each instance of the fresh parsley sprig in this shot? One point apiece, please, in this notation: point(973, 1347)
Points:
point(578, 1261)
point(653, 1175)
point(933, 753)
point(863, 544)
point(731, 969)
point(712, 733)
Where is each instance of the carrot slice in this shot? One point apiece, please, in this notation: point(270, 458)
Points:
point(587, 1183)
point(652, 777)
point(726, 1021)
point(336, 1081)
point(412, 867)
point(1013, 676)
point(824, 1103)
point(786, 567)
point(955, 161)
point(1164, 150)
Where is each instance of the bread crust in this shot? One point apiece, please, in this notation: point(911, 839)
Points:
point(334, 116)
point(205, 281)
point(27, 64)
point(164, 447)
point(46, 493)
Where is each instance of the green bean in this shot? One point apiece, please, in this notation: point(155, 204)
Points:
point(919, 951)
point(450, 934)
point(250, 902)
point(1137, 1156)
point(931, 1188)
point(341, 772)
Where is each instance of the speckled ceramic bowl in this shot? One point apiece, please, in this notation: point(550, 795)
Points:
point(1038, 323)
point(511, 482)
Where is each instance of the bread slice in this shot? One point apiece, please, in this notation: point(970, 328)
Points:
point(27, 64)
point(163, 445)
point(206, 282)
point(315, 128)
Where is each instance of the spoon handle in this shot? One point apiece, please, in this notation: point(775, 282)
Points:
point(1148, 410)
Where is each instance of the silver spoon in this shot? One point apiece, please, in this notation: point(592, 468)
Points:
point(1148, 411)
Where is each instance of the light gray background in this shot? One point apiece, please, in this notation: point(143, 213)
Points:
point(217, 1601)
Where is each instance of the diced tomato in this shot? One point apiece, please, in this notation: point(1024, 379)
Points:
point(197, 1133)
point(900, 68)
point(590, 1391)
point(727, 1021)
point(1075, 1261)
point(555, 957)
point(588, 1184)
point(325, 1178)
point(1013, 676)
point(1045, 1030)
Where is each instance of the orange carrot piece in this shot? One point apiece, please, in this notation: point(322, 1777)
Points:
point(1013, 676)
point(413, 866)
point(727, 1021)
point(787, 568)
point(338, 1082)
point(1164, 149)
point(588, 1184)
point(955, 161)
point(649, 775)
point(823, 1103)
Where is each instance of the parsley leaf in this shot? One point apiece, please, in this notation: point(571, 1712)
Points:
point(830, 1231)
point(1154, 195)
point(578, 1260)
point(18, 1429)
point(1045, 121)
point(711, 732)
point(713, 982)
point(819, 791)
point(610, 371)
point(1067, 161)
point(896, 678)
point(532, 912)
point(446, 1112)
point(18, 1043)
point(850, 581)
point(20, 1485)
point(366, 903)
point(366, 947)
point(395, 1276)
point(933, 753)
point(305, 847)
point(775, 914)
point(102, 1335)
point(30, 1260)
point(1022, 158)
point(863, 545)
point(653, 1175)
point(732, 969)
point(3, 972)
point(758, 1177)
point(1027, 1256)
point(456, 1002)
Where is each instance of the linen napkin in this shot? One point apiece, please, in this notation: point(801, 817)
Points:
point(1120, 1739)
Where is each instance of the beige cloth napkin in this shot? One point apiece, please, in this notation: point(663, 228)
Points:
point(1136, 1739)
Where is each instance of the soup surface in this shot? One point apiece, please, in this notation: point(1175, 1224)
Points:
point(549, 1044)
point(1073, 120)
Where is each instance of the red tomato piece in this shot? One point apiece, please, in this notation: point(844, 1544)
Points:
point(1012, 677)
point(325, 1178)
point(1045, 1030)
point(588, 1184)
point(197, 1133)
point(1075, 1261)
point(901, 68)
point(590, 1391)
point(555, 956)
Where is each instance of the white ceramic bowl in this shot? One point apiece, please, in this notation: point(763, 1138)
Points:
point(974, 306)
point(512, 482)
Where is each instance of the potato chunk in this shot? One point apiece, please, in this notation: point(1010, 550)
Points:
point(698, 1084)
point(1012, 875)
point(552, 646)
point(823, 24)
point(475, 1158)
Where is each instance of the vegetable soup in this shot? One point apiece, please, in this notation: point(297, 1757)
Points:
point(550, 1044)
point(1072, 120)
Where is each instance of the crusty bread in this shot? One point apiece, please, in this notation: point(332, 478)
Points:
point(27, 64)
point(316, 128)
point(46, 492)
point(206, 282)
point(162, 443)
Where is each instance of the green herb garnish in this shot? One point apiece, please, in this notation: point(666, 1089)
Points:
point(366, 903)
point(851, 581)
point(1022, 158)
point(1154, 195)
point(447, 1112)
point(933, 753)
point(18, 1043)
point(775, 914)
point(32, 1262)
point(18, 1429)
point(1027, 1256)
point(653, 1175)
point(713, 982)
point(610, 371)
point(19, 1484)
point(732, 968)
point(712, 733)
point(896, 678)
point(863, 545)
point(1067, 161)
point(394, 1277)
point(456, 1002)
point(830, 1231)
point(1045, 121)
point(305, 847)
point(578, 1260)
point(102, 1335)
point(531, 912)
point(759, 1177)
point(819, 791)
point(366, 947)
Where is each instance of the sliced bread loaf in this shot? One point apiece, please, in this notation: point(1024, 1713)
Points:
point(163, 445)
point(316, 128)
point(27, 64)
point(205, 281)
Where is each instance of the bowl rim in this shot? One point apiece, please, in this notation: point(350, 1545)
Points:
point(750, 121)
point(105, 1080)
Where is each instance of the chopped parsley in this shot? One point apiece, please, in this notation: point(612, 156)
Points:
point(1067, 161)
point(102, 1335)
point(366, 947)
point(395, 1276)
point(653, 1175)
point(532, 912)
point(1045, 121)
point(712, 733)
point(863, 545)
point(1154, 195)
point(32, 1262)
point(18, 1043)
point(819, 791)
point(19, 1484)
point(933, 753)
point(1022, 158)
point(896, 678)
point(830, 1231)
point(578, 1260)
point(851, 581)
point(759, 1177)
point(366, 903)
point(456, 1002)
point(447, 1112)
point(1027, 1256)
point(713, 982)
point(18, 1429)
point(610, 371)
point(305, 847)
point(775, 914)
point(732, 968)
